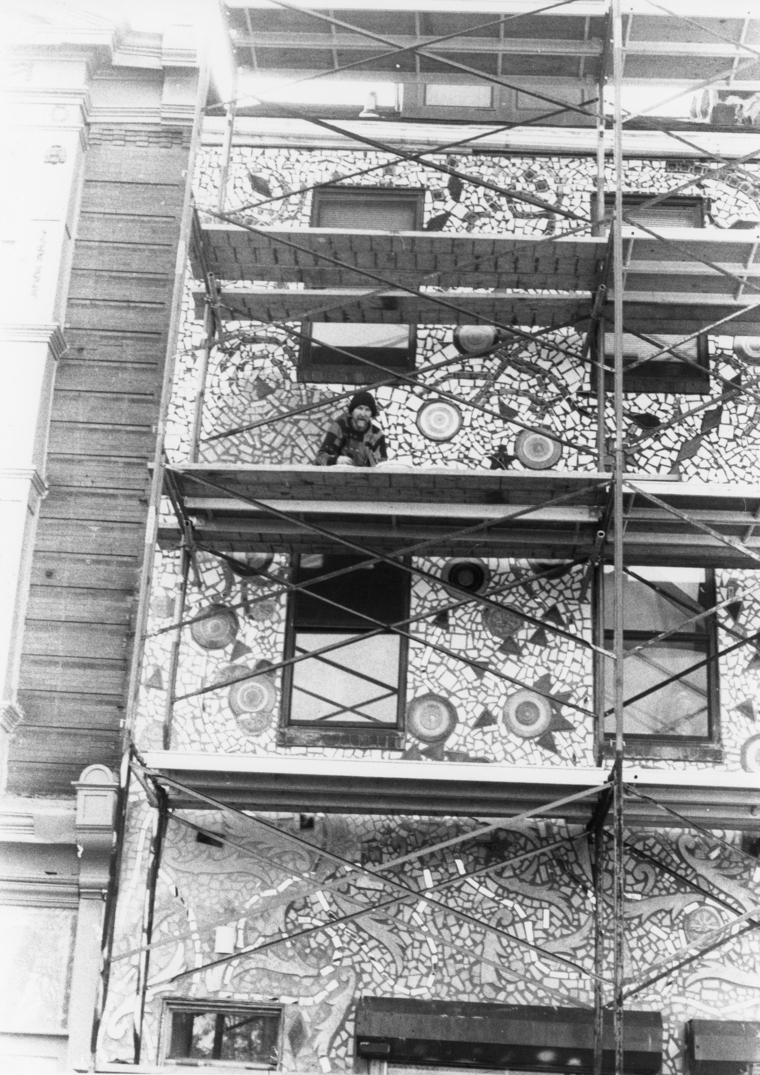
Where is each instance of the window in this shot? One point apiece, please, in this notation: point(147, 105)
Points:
point(391, 346)
point(353, 694)
point(675, 212)
point(367, 208)
point(221, 1031)
point(667, 372)
point(671, 685)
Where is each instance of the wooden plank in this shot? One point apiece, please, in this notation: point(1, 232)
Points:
point(105, 347)
point(116, 316)
point(120, 198)
point(103, 572)
point(50, 778)
point(123, 228)
point(83, 472)
point(99, 641)
point(100, 376)
point(79, 747)
point(394, 307)
point(99, 505)
point(74, 710)
point(104, 407)
point(110, 163)
point(68, 438)
point(80, 605)
point(123, 257)
point(139, 287)
point(72, 674)
point(96, 538)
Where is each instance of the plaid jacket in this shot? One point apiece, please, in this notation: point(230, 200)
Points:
point(366, 449)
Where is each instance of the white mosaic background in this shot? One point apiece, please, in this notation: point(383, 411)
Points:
point(256, 381)
point(416, 950)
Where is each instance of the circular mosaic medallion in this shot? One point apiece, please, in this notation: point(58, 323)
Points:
point(700, 921)
point(467, 573)
point(255, 695)
point(431, 718)
point(751, 754)
point(501, 622)
point(259, 561)
point(748, 348)
point(527, 714)
point(473, 339)
point(216, 627)
point(263, 610)
point(539, 451)
point(439, 420)
point(255, 723)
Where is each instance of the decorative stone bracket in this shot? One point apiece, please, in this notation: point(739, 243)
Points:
point(97, 789)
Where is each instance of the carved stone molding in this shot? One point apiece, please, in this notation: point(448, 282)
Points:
point(97, 790)
point(11, 715)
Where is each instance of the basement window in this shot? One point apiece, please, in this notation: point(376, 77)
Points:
point(671, 686)
point(218, 1032)
point(351, 694)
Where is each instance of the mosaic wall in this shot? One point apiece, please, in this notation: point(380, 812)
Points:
point(274, 887)
point(252, 375)
point(458, 655)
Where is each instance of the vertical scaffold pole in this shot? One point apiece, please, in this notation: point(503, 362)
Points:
point(179, 615)
point(619, 466)
point(149, 904)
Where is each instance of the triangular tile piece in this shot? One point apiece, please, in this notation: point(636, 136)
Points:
point(543, 683)
point(239, 650)
point(746, 709)
point(554, 615)
point(754, 663)
point(506, 411)
point(155, 679)
point(538, 638)
point(262, 388)
point(560, 697)
point(435, 752)
point(510, 648)
point(689, 449)
point(486, 719)
point(547, 742)
point(734, 609)
point(412, 754)
point(479, 669)
point(441, 619)
point(560, 724)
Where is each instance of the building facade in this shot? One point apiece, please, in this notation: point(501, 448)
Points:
point(384, 799)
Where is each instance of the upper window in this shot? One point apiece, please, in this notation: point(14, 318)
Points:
point(339, 351)
point(667, 372)
point(670, 685)
point(363, 208)
point(351, 694)
point(219, 1031)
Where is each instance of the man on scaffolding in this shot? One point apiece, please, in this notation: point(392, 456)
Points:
point(352, 439)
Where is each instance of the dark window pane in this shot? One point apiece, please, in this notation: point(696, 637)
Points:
point(380, 591)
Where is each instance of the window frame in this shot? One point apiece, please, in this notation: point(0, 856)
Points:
point(200, 1006)
point(341, 370)
point(663, 747)
point(345, 734)
point(671, 376)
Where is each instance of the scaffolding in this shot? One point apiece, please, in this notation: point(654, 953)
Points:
point(588, 280)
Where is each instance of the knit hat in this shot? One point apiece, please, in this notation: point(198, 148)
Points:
point(363, 399)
